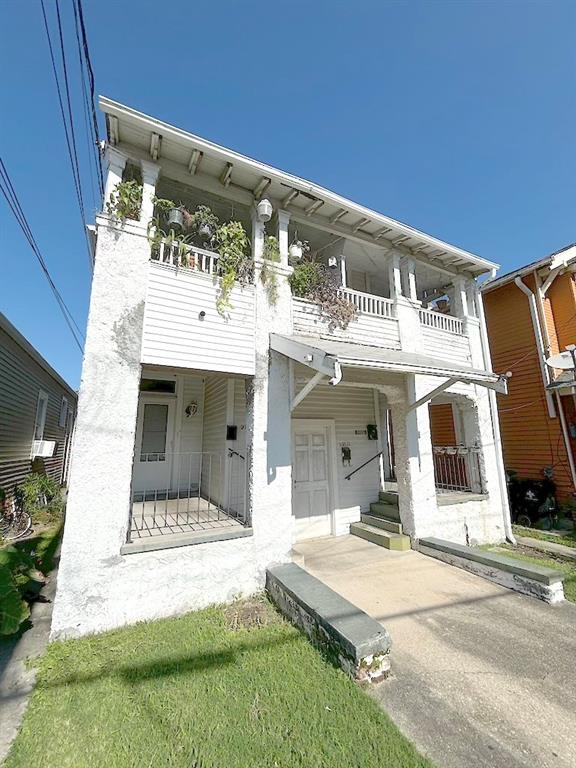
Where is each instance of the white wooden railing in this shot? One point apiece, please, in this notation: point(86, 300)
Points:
point(440, 321)
point(367, 303)
point(189, 257)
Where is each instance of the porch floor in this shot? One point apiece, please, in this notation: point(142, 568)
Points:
point(164, 517)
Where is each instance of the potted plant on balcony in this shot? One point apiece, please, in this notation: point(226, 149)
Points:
point(270, 253)
point(234, 262)
point(203, 224)
point(315, 282)
point(125, 200)
point(298, 248)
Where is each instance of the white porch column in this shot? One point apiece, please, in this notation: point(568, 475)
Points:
point(414, 460)
point(268, 419)
point(394, 276)
point(408, 272)
point(150, 172)
point(283, 221)
point(116, 161)
point(459, 297)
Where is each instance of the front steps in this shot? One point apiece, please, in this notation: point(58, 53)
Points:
point(383, 526)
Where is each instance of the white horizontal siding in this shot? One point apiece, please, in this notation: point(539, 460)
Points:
point(366, 329)
point(446, 346)
point(174, 335)
point(351, 410)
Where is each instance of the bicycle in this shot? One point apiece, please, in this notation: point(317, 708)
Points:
point(16, 522)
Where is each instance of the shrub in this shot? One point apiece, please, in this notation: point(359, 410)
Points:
point(40, 496)
point(19, 581)
point(312, 280)
point(125, 200)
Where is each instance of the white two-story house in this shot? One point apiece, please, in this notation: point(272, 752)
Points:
point(227, 409)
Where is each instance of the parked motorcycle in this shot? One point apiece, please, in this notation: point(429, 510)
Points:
point(532, 501)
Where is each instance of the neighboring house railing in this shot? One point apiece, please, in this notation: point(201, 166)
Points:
point(188, 256)
point(369, 304)
point(186, 492)
point(440, 322)
point(457, 468)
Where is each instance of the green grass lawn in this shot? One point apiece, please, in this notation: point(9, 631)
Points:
point(228, 687)
point(568, 538)
point(564, 566)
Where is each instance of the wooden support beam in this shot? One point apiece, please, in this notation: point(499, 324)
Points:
point(318, 376)
point(261, 187)
point(113, 133)
point(289, 197)
point(313, 207)
point(338, 215)
point(361, 223)
point(432, 393)
point(195, 159)
point(226, 175)
point(155, 146)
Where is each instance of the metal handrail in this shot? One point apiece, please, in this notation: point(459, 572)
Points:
point(347, 477)
point(232, 452)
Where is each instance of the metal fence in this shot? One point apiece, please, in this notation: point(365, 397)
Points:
point(187, 492)
point(457, 468)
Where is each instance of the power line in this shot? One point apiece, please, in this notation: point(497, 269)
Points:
point(7, 189)
point(68, 128)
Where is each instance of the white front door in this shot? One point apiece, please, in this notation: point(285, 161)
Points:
point(154, 434)
point(311, 492)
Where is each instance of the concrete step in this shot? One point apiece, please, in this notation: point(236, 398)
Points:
point(395, 541)
point(389, 497)
point(388, 511)
point(381, 522)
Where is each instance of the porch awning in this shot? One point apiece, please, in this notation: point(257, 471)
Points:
point(328, 357)
point(565, 382)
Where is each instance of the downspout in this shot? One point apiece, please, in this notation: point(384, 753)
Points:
point(563, 425)
point(495, 426)
point(539, 343)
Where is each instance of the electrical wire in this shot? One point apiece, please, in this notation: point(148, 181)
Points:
point(7, 189)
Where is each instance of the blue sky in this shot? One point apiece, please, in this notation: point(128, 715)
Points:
point(455, 117)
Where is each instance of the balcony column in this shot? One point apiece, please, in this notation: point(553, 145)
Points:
point(405, 308)
point(268, 418)
point(408, 272)
point(395, 276)
point(459, 297)
point(414, 458)
point(283, 221)
point(116, 161)
point(150, 173)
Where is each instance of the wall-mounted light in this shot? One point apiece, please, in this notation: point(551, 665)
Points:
point(264, 209)
point(201, 315)
point(191, 409)
point(332, 262)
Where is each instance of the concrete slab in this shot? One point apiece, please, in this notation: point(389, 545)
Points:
point(482, 677)
point(16, 678)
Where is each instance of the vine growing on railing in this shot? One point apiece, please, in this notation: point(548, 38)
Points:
point(234, 261)
point(314, 281)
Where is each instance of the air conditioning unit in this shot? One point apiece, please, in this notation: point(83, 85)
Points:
point(43, 448)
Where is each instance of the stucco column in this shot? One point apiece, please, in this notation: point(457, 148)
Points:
point(98, 505)
point(394, 276)
point(268, 419)
point(414, 459)
point(116, 161)
point(408, 272)
point(459, 297)
point(150, 172)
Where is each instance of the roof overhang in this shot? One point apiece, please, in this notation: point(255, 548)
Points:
point(564, 383)
point(548, 268)
point(201, 159)
point(330, 357)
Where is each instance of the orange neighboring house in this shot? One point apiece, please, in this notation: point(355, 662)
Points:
point(531, 315)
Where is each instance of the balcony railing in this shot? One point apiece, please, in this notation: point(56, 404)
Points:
point(188, 256)
point(191, 492)
point(440, 322)
point(457, 468)
point(369, 304)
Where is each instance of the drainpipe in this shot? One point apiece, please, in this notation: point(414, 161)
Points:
point(495, 426)
point(539, 343)
point(546, 335)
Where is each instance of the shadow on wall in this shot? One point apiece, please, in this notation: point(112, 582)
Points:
point(278, 422)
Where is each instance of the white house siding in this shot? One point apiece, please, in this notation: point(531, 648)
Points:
point(174, 334)
point(21, 379)
point(366, 329)
point(446, 346)
point(351, 410)
point(214, 437)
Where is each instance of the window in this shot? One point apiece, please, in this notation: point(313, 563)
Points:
point(63, 412)
point(40, 421)
point(154, 428)
point(158, 386)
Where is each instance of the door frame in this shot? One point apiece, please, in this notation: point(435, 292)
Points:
point(334, 494)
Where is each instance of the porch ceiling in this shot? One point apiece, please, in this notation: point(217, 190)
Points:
point(233, 174)
point(330, 357)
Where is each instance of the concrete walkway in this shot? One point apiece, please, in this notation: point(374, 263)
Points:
point(16, 678)
point(482, 677)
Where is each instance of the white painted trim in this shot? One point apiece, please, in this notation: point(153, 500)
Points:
point(44, 397)
point(431, 394)
point(306, 389)
point(566, 436)
point(330, 426)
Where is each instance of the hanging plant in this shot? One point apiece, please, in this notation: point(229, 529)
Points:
point(125, 200)
point(234, 262)
point(161, 229)
point(270, 253)
point(314, 281)
point(202, 224)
